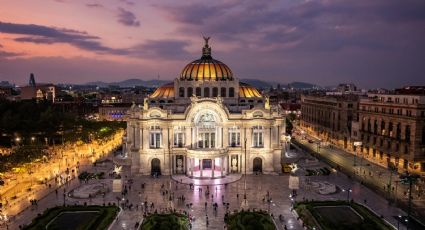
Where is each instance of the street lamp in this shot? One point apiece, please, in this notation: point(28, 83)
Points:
point(348, 193)
point(287, 140)
point(17, 140)
point(357, 144)
point(398, 222)
point(244, 204)
point(411, 179)
point(318, 146)
point(170, 198)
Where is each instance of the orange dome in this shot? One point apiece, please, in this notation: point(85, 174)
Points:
point(206, 68)
point(248, 91)
point(165, 91)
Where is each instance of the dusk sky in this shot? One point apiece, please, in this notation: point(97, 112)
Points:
point(372, 43)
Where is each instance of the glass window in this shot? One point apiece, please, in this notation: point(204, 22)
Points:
point(198, 91)
point(181, 92)
point(215, 92)
point(178, 139)
point(189, 91)
point(231, 92)
point(223, 92)
point(234, 137)
point(206, 92)
point(155, 137)
point(212, 140)
point(258, 136)
point(407, 134)
point(398, 131)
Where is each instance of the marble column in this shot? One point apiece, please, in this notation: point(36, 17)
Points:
point(240, 163)
point(192, 163)
point(222, 166)
point(201, 168)
point(213, 167)
point(185, 165)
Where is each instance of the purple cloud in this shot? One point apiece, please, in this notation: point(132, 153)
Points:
point(127, 18)
point(94, 5)
point(168, 49)
point(127, 2)
point(323, 42)
point(5, 54)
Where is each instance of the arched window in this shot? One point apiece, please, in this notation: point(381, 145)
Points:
point(223, 92)
point(181, 92)
point(231, 92)
point(206, 92)
point(198, 91)
point(189, 91)
point(215, 92)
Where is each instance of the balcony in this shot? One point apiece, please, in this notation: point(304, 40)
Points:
point(207, 153)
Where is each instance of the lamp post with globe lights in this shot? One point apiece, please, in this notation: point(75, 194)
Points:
point(348, 190)
point(287, 140)
point(358, 144)
point(244, 204)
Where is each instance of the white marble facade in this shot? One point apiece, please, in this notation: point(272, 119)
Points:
point(208, 133)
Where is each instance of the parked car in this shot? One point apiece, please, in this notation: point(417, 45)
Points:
point(310, 141)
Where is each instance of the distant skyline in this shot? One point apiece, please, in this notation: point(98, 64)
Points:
point(372, 44)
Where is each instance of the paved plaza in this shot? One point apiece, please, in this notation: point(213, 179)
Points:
point(155, 191)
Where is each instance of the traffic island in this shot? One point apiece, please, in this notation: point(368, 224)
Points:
point(75, 217)
point(242, 220)
point(169, 221)
point(338, 215)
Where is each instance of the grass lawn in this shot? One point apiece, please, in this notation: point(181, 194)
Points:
point(336, 215)
point(75, 217)
point(173, 221)
point(246, 220)
point(72, 220)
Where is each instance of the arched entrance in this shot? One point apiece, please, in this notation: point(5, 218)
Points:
point(257, 166)
point(156, 167)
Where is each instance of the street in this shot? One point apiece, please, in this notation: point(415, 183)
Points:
point(376, 176)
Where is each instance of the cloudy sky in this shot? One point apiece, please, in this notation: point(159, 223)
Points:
point(379, 43)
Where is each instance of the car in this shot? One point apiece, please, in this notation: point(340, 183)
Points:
point(310, 141)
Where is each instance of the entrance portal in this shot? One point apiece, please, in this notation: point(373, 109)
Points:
point(156, 167)
point(207, 163)
point(257, 165)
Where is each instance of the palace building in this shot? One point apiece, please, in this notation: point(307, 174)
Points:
point(205, 124)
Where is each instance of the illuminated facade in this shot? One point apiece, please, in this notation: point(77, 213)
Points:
point(203, 124)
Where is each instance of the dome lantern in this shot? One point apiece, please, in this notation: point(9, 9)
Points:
point(206, 68)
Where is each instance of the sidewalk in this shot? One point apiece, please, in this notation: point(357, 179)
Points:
point(375, 176)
